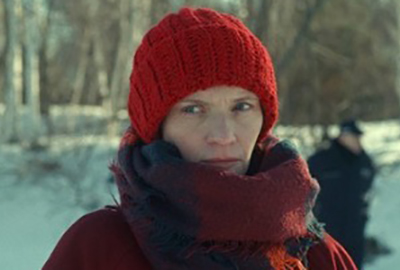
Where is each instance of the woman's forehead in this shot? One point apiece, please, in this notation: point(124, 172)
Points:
point(221, 92)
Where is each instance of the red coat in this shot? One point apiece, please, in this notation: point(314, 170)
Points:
point(102, 240)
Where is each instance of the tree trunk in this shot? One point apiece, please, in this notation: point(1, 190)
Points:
point(32, 125)
point(398, 55)
point(159, 8)
point(9, 128)
point(124, 47)
point(262, 20)
point(100, 64)
point(249, 20)
point(300, 36)
point(44, 95)
point(81, 70)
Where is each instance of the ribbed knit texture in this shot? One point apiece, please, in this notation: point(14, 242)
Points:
point(190, 51)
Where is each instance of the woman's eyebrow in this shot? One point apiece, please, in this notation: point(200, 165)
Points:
point(194, 101)
point(246, 98)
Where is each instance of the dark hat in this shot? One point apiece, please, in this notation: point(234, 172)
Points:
point(351, 126)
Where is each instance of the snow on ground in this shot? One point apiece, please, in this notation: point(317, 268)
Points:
point(385, 219)
point(382, 140)
point(43, 193)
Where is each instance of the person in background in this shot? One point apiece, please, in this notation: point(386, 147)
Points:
point(203, 183)
point(345, 173)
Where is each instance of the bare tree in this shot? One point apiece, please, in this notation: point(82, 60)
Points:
point(44, 95)
point(11, 116)
point(123, 47)
point(84, 46)
point(397, 3)
point(31, 89)
point(300, 36)
point(262, 19)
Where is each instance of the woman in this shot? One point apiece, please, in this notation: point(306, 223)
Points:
point(203, 184)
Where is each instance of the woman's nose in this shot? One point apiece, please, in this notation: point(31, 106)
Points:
point(221, 130)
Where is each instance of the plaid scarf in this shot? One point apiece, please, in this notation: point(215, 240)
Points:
point(193, 216)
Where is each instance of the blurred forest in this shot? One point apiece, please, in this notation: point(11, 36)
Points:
point(334, 59)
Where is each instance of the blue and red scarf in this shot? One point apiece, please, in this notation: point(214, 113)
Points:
point(192, 216)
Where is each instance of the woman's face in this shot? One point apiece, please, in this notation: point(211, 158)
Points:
point(218, 126)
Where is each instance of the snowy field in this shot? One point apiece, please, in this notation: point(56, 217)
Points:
point(42, 193)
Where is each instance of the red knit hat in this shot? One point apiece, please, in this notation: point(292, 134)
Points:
point(193, 50)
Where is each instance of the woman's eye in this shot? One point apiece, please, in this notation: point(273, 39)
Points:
point(193, 109)
point(243, 106)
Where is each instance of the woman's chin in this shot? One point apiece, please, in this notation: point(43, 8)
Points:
point(237, 167)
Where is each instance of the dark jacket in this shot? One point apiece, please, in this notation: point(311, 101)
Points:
point(103, 241)
point(345, 178)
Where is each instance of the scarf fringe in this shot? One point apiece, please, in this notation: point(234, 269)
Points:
point(278, 256)
point(279, 259)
